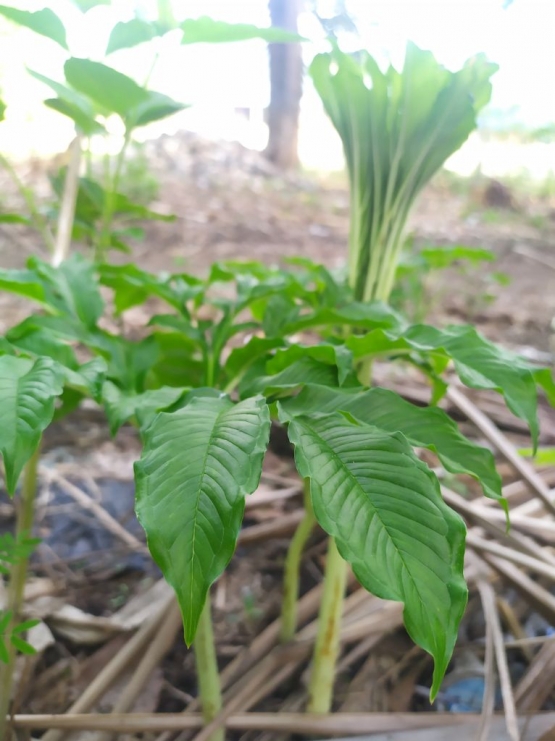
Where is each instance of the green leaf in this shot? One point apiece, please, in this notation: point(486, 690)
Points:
point(133, 286)
point(83, 123)
point(542, 457)
point(544, 378)
point(154, 108)
point(2, 110)
point(14, 218)
point(23, 283)
point(27, 395)
point(72, 104)
point(302, 371)
point(439, 258)
point(397, 129)
point(241, 358)
point(384, 508)
point(22, 646)
point(127, 34)
point(74, 288)
point(198, 464)
point(479, 364)
point(337, 355)
point(209, 31)
point(354, 315)
point(114, 91)
point(424, 427)
point(44, 22)
point(86, 5)
point(120, 407)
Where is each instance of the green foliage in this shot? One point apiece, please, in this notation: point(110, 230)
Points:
point(44, 22)
point(27, 394)
point(175, 380)
point(191, 506)
point(209, 31)
point(397, 130)
point(384, 508)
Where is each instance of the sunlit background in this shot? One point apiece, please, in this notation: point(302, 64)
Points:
point(219, 79)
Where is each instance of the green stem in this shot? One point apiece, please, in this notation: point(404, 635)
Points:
point(320, 688)
point(207, 671)
point(38, 220)
point(67, 206)
point(16, 588)
point(109, 201)
point(292, 568)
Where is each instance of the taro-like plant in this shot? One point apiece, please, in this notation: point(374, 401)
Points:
point(203, 383)
point(231, 352)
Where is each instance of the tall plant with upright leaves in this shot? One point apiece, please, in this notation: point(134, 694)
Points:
point(397, 130)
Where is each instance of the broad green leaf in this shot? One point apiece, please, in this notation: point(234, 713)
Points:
point(44, 22)
point(154, 108)
point(397, 129)
point(114, 91)
point(133, 286)
point(127, 34)
point(384, 508)
point(302, 371)
point(88, 378)
point(209, 31)
point(71, 103)
point(73, 288)
point(2, 110)
point(178, 363)
point(197, 466)
point(479, 363)
point(121, 407)
point(542, 456)
point(39, 341)
point(360, 315)
point(14, 219)
point(23, 283)
point(27, 396)
point(424, 427)
point(337, 355)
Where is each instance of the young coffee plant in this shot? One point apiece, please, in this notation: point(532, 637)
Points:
point(203, 383)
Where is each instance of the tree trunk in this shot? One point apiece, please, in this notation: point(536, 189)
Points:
point(286, 83)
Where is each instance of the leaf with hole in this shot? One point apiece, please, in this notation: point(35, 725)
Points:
point(384, 508)
point(197, 466)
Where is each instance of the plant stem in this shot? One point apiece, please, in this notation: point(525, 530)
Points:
point(320, 688)
point(103, 243)
point(38, 220)
point(207, 670)
point(24, 526)
point(292, 568)
point(67, 209)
